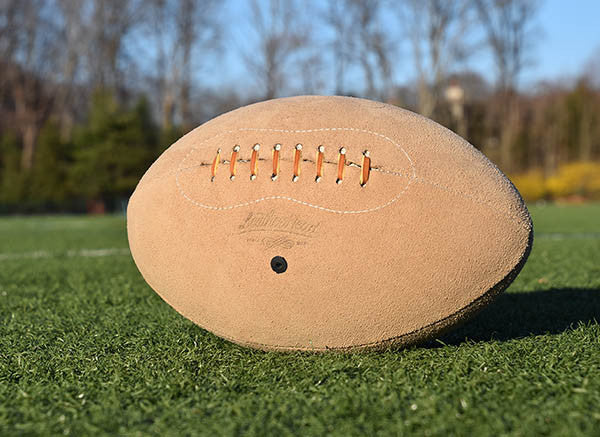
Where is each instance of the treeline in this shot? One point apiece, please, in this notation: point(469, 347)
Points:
point(91, 91)
point(92, 170)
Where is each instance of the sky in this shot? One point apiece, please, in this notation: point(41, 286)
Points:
point(569, 36)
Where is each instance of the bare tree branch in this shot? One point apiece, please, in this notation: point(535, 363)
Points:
point(184, 31)
point(28, 41)
point(282, 41)
point(372, 46)
point(507, 24)
point(437, 30)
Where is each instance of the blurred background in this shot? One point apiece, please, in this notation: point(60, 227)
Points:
point(92, 91)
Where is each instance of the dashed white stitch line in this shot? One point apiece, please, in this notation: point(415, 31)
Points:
point(404, 175)
point(224, 208)
point(410, 178)
point(392, 172)
point(84, 253)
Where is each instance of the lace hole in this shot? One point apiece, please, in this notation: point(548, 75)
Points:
point(279, 264)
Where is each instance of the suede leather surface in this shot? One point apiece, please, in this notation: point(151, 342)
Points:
point(435, 232)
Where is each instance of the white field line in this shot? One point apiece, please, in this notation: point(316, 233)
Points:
point(49, 224)
point(115, 251)
point(81, 253)
point(567, 236)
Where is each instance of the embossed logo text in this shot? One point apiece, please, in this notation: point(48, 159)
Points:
point(297, 228)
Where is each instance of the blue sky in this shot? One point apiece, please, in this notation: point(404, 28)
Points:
point(570, 35)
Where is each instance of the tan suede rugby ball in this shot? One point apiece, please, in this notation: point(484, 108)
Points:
point(326, 223)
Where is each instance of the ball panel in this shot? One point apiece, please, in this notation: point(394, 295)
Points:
point(457, 165)
point(386, 184)
point(376, 279)
point(455, 233)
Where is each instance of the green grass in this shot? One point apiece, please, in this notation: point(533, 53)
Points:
point(86, 347)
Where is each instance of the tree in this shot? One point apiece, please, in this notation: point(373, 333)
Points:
point(28, 49)
point(335, 16)
point(372, 46)
point(509, 35)
point(185, 32)
point(49, 183)
point(438, 29)
point(113, 150)
point(111, 22)
point(12, 179)
point(282, 40)
point(581, 108)
point(71, 60)
point(507, 25)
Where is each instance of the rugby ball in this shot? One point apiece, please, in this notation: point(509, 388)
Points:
point(326, 223)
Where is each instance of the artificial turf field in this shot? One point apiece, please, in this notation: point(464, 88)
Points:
point(86, 347)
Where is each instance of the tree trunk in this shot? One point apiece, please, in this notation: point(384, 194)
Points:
point(30, 133)
point(167, 110)
point(426, 99)
point(510, 129)
point(585, 135)
point(186, 115)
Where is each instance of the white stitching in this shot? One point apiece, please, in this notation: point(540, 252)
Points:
point(224, 208)
point(391, 172)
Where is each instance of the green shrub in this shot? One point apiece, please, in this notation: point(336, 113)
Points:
point(113, 149)
point(581, 179)
point(575, 179)
point(531, 185)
